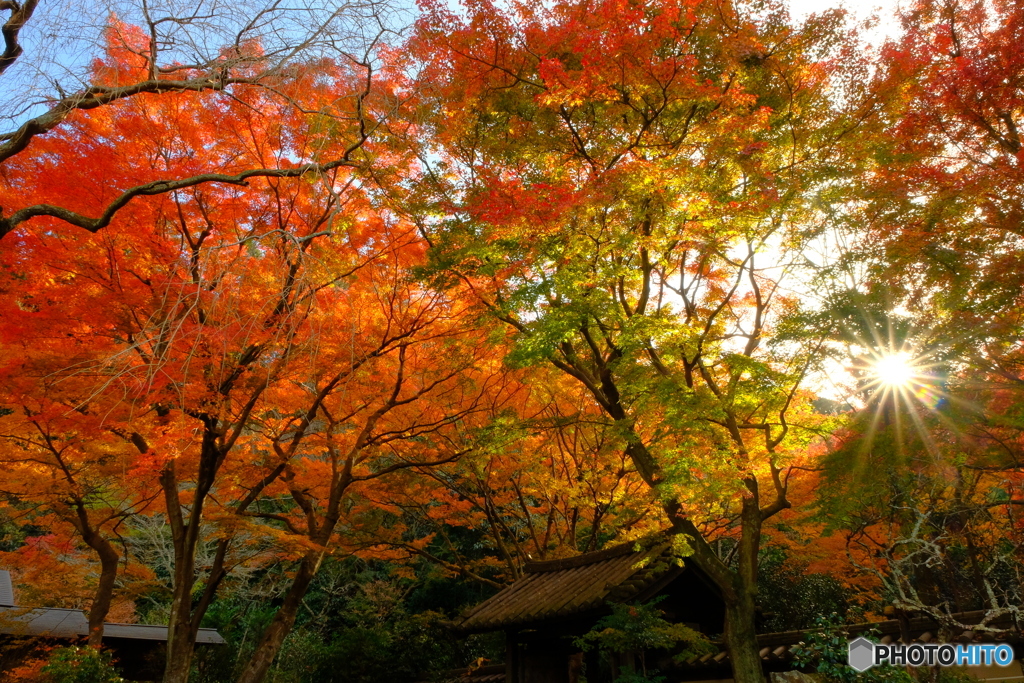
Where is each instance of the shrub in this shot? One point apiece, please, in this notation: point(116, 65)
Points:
point(75, 664)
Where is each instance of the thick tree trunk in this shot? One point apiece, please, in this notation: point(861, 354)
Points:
point(737, 587)
point(181, 637)
point(181, 627)
point(274, 635)
point(741, 605)
point(180, 641)
point(741, 639)
point(105, 590)
point(186, 616)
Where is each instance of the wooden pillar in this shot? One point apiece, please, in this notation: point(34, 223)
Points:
point(593, 660)
point(575, 667)
point(511, 657)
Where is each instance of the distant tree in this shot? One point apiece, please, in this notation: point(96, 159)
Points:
point(941, 205)
point(934, 233)
point(70, 474)
point(574, 490)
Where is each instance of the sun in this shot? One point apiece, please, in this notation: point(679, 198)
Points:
point(895, 370)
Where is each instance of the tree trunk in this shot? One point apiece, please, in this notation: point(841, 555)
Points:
point(181, 637)
point(741, 604)
point(105, 590)
point(274, 635)
point(180, 641)
point(186, 616)
point(741, 639)
point(738, 588)
point(185, 536)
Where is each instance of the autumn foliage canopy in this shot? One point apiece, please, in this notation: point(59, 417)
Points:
point(523, 281)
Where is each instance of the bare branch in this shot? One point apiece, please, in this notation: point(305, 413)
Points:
point(157, 187)
point(19, 15)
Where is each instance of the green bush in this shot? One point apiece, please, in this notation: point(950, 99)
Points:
point(75, 664)
point(790, 597)
point(637, 628)
point(826, 651)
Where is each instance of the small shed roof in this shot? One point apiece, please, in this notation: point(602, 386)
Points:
point(6, 589)
point(563, 588)
point(46, 621)
point(71, 623)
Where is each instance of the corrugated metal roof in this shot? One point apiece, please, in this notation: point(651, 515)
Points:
point(70, 623)
point(575, 585)
point(6, 589)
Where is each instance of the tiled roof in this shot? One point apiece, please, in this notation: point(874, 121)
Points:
point(71, 623)
point(562, 588)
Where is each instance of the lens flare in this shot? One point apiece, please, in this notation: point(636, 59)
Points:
point(895, 371)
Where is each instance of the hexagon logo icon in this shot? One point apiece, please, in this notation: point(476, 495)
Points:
point(861, 654)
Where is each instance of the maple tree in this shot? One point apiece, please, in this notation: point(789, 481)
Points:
point(244, 336)
point(935, 230)
point(203, 48)
point(412, 401)
point(953, 125)
point(538, 279)
point(575, 492)
point(72, 472)
point(209, 297)
point(170, 269)
point(626, 186)
point(941, 203)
